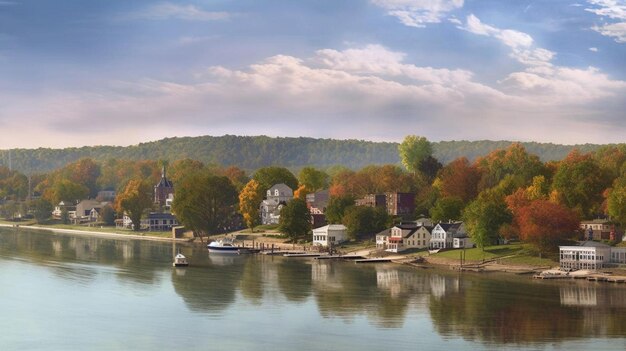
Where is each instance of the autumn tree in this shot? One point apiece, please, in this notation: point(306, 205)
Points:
point(313, 179)
point(250, 199)
point(543, 223)
point(236, 175)
point(361, 221)
point(108, 215)
point(579, 183)
point(66, 190)
point(181, 168)
point(458, 179)
point(134, 200)
point(295, 219)
point(514, 162)
point(84, 172)
point(270, 176)
point(205, 203)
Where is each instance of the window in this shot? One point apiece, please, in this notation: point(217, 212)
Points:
point(276, 192)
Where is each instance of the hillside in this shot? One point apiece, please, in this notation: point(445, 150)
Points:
point(258, 151)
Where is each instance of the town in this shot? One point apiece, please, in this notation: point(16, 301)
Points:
point(570, 211)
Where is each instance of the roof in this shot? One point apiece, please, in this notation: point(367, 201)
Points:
point(158, 215)
point(590, 243)
point(332, 227)
point(385, 232)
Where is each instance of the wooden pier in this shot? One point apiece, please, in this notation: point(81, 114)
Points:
point(373, 260)
point(340, 257)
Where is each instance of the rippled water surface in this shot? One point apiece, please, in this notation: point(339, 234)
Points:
point(81, 293)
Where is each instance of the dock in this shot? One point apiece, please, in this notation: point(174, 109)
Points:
point(373, 260)
point(303, 254)
point(340, 257)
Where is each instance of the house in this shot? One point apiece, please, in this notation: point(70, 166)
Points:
point(64, 206)
point(443, 235)
point(106, 195)
point(329, 235)
point(163, 189)
point(400, 204)
point(598, 229)
point(159, 222)
point(462, 242)
point(317, 201)
point(372, 200)
point(155, 222)
point(589, 255)
point(276, 197)
point(407, 236)
point(382, 239)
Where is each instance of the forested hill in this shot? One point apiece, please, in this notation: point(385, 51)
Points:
point(254, 152)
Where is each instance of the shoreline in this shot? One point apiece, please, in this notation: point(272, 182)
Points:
point(96, 234)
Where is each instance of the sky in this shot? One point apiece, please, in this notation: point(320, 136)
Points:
point(117, 72)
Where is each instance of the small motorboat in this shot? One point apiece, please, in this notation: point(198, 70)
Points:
point(223, 246)
point(180, 260)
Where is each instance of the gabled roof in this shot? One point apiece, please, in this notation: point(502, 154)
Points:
point(590, 243)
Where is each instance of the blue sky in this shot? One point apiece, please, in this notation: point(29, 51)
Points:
point(112, 72)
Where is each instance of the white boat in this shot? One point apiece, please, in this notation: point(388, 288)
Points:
point(223, 246)
point(180, 260)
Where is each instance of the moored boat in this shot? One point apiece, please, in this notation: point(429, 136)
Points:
point(180, 260)
point(223, 246)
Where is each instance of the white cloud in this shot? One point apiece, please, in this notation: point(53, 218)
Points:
point(614, 10)
point(616, 30)
point(418, 13)
point(327, 95)
point(521, 44)
point(593, 49)
point(165, 11)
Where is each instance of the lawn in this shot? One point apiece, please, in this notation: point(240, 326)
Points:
point(511, 254)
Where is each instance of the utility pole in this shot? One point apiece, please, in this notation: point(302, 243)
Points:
point(10, 165)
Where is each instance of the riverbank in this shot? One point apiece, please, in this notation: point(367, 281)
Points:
point(99, 234)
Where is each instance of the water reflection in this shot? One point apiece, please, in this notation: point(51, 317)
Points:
point(491, 309)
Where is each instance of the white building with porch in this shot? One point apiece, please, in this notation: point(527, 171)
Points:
point(590, 255)
point(331, 234)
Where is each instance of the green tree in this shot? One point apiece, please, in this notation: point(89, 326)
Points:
point(447, 208)
point(336, 208)
point(485, 216)
point(413, 151)
point(108, 215)
point(270, 176)
point(362, 221)
point(313, 179)
point(205, 203)
point(67, 191)
point(134, 200)
point(295, 219)
point(42, 210)
point(250, 199)
point(616, 202)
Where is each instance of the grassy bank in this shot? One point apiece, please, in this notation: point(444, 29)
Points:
point(99, 229)
point(512, 254)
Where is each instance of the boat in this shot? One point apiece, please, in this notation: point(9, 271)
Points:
point(223, 246)
point(180, 260)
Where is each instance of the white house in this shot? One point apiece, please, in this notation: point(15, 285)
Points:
point(443, 235)
point(407, 236)
point(382, 239)
point(331, 234)
point(462, 242)
point(590, 255)
point(276, 197)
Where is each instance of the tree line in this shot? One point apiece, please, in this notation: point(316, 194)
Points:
point(508, 193)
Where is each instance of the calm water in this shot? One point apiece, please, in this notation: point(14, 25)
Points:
point(76, 293)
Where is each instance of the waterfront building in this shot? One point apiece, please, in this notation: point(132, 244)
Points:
point(331, 234)
point(276, 197)
point(591, 255)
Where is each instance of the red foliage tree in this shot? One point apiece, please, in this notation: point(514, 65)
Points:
point(543, 223)
point(459, 179)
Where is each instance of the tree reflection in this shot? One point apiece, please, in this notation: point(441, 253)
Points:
point(294, 279)
point(210, 284)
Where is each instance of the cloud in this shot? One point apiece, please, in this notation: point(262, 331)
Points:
point(521, 44)
point(614, 10)
point(367, 92)
point(164, 11)
point(593, 49)
point(418, 13)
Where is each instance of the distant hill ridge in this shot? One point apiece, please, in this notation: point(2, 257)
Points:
point(253, 152)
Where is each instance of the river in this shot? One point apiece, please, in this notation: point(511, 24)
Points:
point(61, 292)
